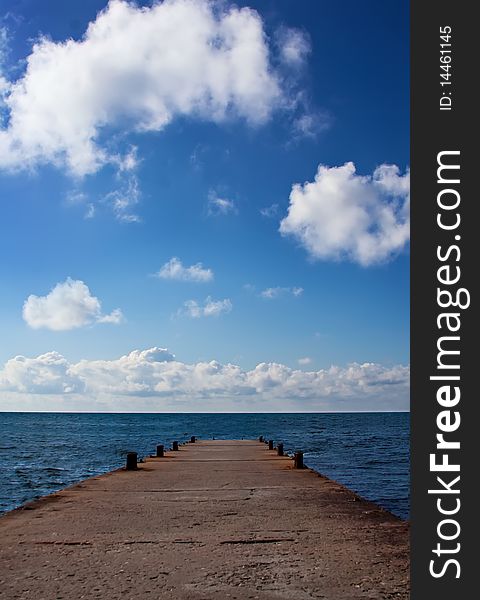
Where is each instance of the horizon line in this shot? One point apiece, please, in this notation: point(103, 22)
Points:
point(297, 412)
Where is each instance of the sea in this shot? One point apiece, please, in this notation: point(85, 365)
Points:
point(44, 452)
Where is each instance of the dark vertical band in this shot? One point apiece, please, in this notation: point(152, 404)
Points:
point(444, 167)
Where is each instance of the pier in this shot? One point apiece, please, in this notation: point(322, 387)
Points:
point(212, 520)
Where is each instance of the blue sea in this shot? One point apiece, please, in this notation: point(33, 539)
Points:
point(44, 452)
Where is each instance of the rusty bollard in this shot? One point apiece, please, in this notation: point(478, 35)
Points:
point(260, 439)
point(175, 445)
point(298, 460)
point(193, 439)
point(270, 444)
point(131, 461)
point(280, 449)
point(160, 451)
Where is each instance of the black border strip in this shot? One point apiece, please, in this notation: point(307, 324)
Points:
point(433, 131)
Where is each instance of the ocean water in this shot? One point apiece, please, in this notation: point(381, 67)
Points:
point(44, 452)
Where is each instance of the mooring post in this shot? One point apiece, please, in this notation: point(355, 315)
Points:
point(280, 449)
point(270, 444)
point(192, 439)
point(260, 439)
point(298, 460)
point(131, 461)
point(175, 445)
point(160, 450)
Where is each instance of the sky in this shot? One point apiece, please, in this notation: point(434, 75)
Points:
point(205, 205)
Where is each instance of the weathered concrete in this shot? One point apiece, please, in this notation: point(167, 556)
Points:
point(216, 520)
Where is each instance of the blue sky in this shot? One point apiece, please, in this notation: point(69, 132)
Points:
point(209, 181)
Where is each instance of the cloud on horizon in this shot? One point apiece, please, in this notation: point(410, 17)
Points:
point(69, 305)
point(158, 381)
point(345, 216)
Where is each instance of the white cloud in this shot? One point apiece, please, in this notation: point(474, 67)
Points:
point(209, 308)
point(342, 215)
point(220, 206)
point(294, 46)
point(157, 380)
point(304, 361)
point(276, 292)
point(174, 269)
point(123, 199)
point(310, 125)
point(136, 69)
point(115, 317)
point(47, 374)
point(68, 305)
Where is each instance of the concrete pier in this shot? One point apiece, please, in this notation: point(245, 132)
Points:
point(215, 520)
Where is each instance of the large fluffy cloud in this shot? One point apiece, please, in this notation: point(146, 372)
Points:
point(67, 306)
point(342, 215)
point(155, 375)
point(138, 68)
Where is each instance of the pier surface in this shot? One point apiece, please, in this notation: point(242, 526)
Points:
point(217, 520)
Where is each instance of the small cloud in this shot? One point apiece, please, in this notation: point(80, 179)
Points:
point(69, 305)
point(75, 197)
point(124, 199)
point(220, 206)
point(129, 161)
point(306, 360)
point(210, 308)
point(294, 46)
point(174, 269)
point(275, 292)
point(307, 121)
point(310, 125)
point(90, 213)
point(270, 211)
